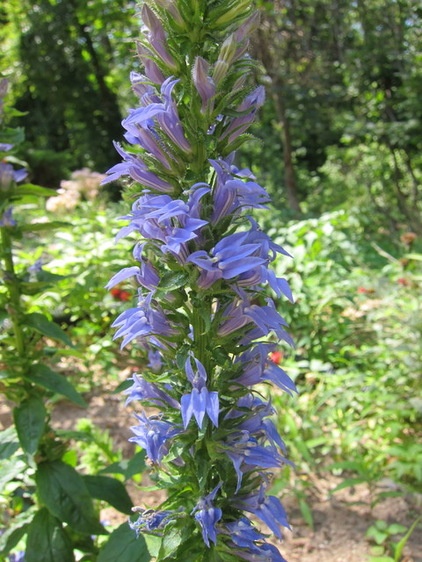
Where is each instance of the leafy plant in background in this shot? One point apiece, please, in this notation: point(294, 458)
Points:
point(357, 369)
point(382, 534)
point(43, 497)
point(204, 318)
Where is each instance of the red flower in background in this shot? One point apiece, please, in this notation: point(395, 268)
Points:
point(276, 357)
point(365, 291)
point(120, 294)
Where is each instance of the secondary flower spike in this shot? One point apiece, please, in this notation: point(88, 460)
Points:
point(204, 319)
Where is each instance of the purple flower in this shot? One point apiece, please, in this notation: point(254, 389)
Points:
point(258, 367)
point(261, 553)
point(150, 520)
point(266, 508)
point(203, 83)
point(163, 219)
point(134, 167)
point(152, 71)
point(200, 401)
point(141, 321)
point(157, 37)
point(144, 390)
point(239, 125)
point(9, 175)
point(154, 434)
point(7, 218)
point(245, 453)
point(229, 258)
point(155, 360)
point(207, 516)
point(243, 533)
point(164, 112)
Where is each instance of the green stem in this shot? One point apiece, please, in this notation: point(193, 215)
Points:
point(10, 281)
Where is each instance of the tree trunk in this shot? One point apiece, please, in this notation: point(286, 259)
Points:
point(277, 95)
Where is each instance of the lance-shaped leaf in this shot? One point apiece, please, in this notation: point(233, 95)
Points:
point(47, 328)
point(63, 491)
point(47, 540)
point(124, 546)
point(29, 419)
point(45, 377)
point(110, 490)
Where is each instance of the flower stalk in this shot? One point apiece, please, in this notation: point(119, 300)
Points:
point(205, 316)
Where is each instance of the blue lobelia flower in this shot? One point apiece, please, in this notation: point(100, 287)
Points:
point(229, 258)
point(144, 390)
point(257, 367)
point(136, 168)
point(156, 37)
point(8, 175)
point(154, 435)
point(150, 520)
point(261, 553)
point(207, 515)
point(7, 218)
point(200, 401)
point(204, 83)
point(243, 533)
point(266, 508)
point(143, 320)
point(247, 454)
point(248, 543)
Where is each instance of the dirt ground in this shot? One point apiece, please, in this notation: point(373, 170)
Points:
point(341, 520)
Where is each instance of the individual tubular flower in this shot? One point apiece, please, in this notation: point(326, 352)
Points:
point(247, 543)
point(200, 401)
point(207, 515)
point(154, 435)
point(266, 508)
point(229, 258)
point(142, 321)
point(147, 391)
point(150, 520)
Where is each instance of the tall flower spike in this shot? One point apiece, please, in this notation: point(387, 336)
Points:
point(204, 321)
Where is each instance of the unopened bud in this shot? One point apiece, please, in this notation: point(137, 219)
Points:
point(220, 71)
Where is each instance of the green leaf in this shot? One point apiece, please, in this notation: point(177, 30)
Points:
point(11, 470)
point(110, 490)
point(66, 496)
point(348, 482)
point(173, 280)
point(47, 540)
point(172, 539)
point(123, 546)
point(14, 533)
point(136, 465)
point(40, 226)
point(9, 443)
point(31, 189)
point(42, 325)
point(398, 548)
point(29, 419)
point(43, 376)
point(12, 136)
point(306, 512)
